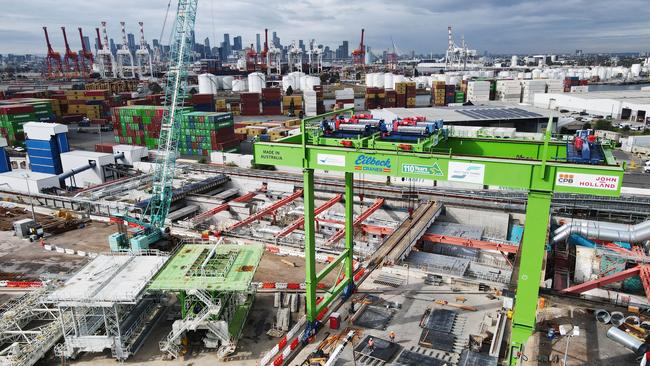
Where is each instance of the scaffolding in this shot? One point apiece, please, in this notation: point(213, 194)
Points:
point(28, 329)
point(212, 282)
point(106, 306)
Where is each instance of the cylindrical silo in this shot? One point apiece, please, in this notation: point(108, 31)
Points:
point(256, 81)
point(227, 82)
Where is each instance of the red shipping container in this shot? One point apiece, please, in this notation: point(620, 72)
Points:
point(16, 109)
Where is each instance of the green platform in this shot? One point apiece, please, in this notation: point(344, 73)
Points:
point(231, 268)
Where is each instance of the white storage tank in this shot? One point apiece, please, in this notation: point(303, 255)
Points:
point(389, 81)
point(205, 84)
point(226, 82)
point(239, 85)
point(370, 79)
point(256, 81)
point(378, 80)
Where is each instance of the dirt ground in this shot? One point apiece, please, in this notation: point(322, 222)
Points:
point(590, 348)
point(272, 269)
point(91, 238)
point(23, 260)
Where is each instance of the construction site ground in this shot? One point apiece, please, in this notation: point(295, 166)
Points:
point(93, 237)
point(414, 298)
point(25, 260)
point(591, 347)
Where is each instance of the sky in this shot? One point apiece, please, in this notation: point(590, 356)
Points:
point(498, 26)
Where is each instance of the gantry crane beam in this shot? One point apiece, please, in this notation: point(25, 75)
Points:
point(361, 218)
point(299, 222)
point(539, 167)
point(266, 210)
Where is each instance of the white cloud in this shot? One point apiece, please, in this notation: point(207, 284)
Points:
point(420, 25)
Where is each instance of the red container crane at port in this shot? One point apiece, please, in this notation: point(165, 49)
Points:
point(53, 59)
point(359, 55)
point(71, 59)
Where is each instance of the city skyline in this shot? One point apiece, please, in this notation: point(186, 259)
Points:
point(413, 24)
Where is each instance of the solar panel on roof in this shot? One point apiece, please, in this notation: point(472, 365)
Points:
point(497, 113)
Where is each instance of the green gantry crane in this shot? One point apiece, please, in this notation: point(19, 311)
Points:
point(163, 176)
point(539, 167)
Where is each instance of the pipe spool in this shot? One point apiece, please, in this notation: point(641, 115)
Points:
point(603, 316)
point(617, 318)
point(627, 341)
point(354, 127)
point(414, 130)
point(370, 122)
point(633, 320)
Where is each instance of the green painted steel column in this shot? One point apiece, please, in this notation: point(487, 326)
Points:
point(530, 270)
point(349, 225)
point(310, 245)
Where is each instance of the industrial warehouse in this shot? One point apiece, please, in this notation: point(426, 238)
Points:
point(260, 204)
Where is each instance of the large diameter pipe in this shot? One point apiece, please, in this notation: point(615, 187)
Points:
point(606, 231)
point(65, 175)
point(627, 341)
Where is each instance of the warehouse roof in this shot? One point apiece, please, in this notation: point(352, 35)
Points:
point(487, 112)
point(630, 96)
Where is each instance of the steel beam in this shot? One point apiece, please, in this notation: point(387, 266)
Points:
point(266, 210)
point(349, 225)
point(223, 207)
point(470, 243)
point(530, 271)
point(361, 218)
point(330, 266)
point(310, 246)
point(299, 222)
point(366, 228)
point(599, 282)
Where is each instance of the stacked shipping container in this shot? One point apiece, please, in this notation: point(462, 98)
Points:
point(200, 132)
point(375, 97)
point(204, 132)
point(250, 104)
point(203, 102)
point(12, 119)
point(438, 93)
point(292, 104)
point(271, 104)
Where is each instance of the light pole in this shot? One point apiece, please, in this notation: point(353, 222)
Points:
point(31, 199)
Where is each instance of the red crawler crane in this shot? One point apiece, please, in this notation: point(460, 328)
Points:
point(71, 59)
point(53, 60)
point(86, 56)
point(359, 55)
